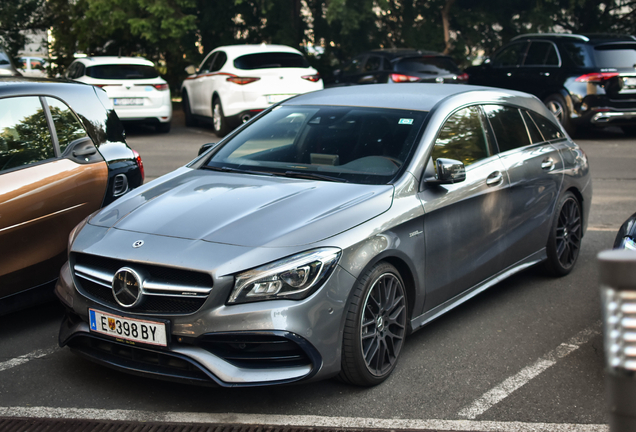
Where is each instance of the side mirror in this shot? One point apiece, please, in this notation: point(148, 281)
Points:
point(449, 171)
point(206, 147)
point(191, 69)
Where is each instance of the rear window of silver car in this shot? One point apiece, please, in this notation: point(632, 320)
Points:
point(122, 71)
point(352, 144)
point(270, 60)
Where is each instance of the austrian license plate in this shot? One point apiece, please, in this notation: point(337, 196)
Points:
point(128, 101)
point(128, 329)
point(277, 98)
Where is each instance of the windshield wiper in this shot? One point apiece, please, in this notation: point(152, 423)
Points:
point(236, 170)
point(312, 176)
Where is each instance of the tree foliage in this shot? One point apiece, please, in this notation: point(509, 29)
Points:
point(17, 18)
point(175, 33)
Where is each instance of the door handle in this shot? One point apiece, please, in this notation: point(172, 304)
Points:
point(494, 179)
point(547, 164)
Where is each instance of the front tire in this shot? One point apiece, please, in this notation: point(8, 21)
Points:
point(375, 327)
point(564, 242)
point(187, 111)
point(559, 107)
point(219, 121)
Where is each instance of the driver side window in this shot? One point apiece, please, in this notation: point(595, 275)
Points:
point(463, 137)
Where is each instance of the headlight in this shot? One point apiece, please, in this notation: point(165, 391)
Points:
point(628, 243)
point(295, 277)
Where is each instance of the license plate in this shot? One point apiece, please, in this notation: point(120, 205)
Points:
point(630, 82)
point(128, 101)
point(128, 329)
point(277, 98)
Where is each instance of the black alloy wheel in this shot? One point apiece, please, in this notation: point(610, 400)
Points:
point(375, 327)
point(564, 243)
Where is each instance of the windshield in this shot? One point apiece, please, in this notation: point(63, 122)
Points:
point(351, 144)
point(122, 71)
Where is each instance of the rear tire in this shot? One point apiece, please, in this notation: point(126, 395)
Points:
point(375, 327)
point(187, 111)
point(559, 107)
point(564, 242)
point(219, 121)
point(162, 127)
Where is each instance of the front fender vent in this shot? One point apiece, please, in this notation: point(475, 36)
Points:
point(120, 185)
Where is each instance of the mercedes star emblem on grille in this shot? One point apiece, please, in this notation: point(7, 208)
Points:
point(138, 244)
point(127, 287)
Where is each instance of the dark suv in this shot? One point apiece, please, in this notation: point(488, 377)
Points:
point(398, 65)
point(585, 80)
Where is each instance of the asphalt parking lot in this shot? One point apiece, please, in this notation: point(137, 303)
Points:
point(525, 355)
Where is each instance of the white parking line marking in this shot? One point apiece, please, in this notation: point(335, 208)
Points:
point(507, 387)
point(299, 421)
point(26, 358)
point(603, 228)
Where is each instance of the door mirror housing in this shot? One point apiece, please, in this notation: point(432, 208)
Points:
point(191, 69)
point(449, 171)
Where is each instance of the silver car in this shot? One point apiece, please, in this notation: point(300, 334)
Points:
point(310, 242)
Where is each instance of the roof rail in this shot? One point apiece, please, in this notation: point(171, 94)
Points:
point(570, 35)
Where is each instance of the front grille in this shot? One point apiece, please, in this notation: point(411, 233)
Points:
point(166, 290)
point(255, 351)
point(161, 364)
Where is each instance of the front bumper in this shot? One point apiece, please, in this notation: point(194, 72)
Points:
point(263, 343)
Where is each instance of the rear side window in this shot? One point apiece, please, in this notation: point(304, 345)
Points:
point(219, 61)
point(24, 133)
point(548, 129)
point(533, 130)
point(67, 127)
point(428, 65)
point(508, 126)
point(578, 53)
point(462, 138)
point(270, 60)
point(621, 55)
point(122, 71)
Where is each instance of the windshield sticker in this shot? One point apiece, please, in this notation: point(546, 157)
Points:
point(405, 121)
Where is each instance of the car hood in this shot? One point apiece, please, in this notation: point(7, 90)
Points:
point(245, 210)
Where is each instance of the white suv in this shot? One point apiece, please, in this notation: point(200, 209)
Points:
point(235, 82)
point(133, 84)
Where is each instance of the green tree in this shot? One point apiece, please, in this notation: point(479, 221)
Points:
point(18, 17)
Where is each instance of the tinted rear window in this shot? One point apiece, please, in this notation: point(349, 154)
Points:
point(427, 65)
point(270, 60)
point(615, 55)
point(123, 71)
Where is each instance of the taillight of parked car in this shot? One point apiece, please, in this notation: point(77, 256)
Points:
point(463, 77)
point(140, 164)
point(401, 78)
point(242, 80)
point(161, 87)
point(596, 77)
point(312, 78)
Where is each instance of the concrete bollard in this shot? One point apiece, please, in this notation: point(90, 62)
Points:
point(618, 295)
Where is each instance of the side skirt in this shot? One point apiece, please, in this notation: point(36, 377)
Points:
point(422, 320)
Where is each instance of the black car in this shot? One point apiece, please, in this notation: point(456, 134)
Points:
point(398, 65)
point(63, 156)
point(626, 237)
point(585, 80)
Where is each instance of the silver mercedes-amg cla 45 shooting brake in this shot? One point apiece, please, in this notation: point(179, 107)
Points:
point(311, 241)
